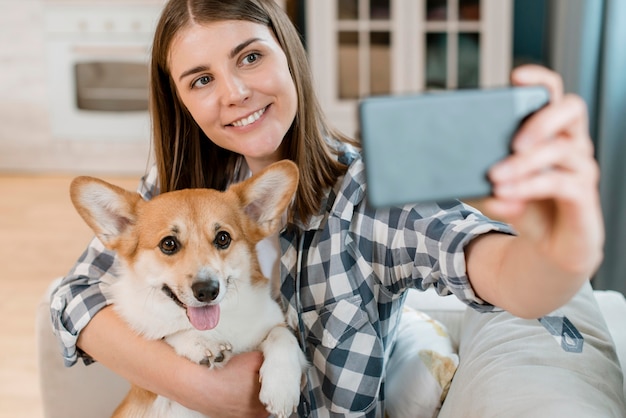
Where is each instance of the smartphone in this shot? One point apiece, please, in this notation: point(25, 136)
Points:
point(438, 146)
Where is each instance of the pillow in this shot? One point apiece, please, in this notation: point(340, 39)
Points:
point(420, 368)
point(512, 367)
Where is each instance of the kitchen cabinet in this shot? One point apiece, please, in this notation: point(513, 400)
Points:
point(370, 47)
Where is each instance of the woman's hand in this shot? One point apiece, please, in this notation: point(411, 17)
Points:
point(234, 388)
point(548, 190)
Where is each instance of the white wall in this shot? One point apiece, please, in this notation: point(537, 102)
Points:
point(26, 143)
point(23, 91)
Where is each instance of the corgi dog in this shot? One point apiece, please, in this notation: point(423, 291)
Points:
point(190, 275)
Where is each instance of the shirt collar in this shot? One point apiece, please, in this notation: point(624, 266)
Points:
point(339, 201)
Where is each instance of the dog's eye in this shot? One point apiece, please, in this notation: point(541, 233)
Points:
point(169, 245)
point(222, 240)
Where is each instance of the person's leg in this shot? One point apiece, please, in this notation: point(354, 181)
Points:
point(511, 367)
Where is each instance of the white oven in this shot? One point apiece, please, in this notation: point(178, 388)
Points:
point(98, 54)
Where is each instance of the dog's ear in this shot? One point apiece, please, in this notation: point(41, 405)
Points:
point(108, 209)
point(267, 194)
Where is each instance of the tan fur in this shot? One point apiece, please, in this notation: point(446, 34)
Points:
point(136, 402)
point(441, 367)
point(196, 218)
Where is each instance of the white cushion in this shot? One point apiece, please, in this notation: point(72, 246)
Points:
point(420, 368)
point(448, 310)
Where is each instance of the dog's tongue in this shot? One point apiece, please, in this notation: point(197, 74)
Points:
point(204, 318)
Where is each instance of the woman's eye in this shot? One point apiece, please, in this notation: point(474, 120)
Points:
point(201, 82)
point(251, 58)
point(169, 245)
point(222, 240)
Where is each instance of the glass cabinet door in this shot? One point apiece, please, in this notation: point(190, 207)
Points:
point(364, 48)
point(359, 48)
point(452, 35)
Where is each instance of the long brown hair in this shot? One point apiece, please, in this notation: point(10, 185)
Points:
point(186, 158)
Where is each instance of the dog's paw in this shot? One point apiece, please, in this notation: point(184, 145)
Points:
point(217, 357)
point(200, 349)
point(278, 404)
point(280, 391)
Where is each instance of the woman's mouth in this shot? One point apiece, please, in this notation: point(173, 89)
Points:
point(250, 119)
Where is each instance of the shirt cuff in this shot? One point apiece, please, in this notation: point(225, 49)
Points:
point(453, 265)
point(70, 316)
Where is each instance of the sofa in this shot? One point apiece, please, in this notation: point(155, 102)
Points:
point(530, 375)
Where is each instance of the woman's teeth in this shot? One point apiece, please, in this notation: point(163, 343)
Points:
point(250, 119)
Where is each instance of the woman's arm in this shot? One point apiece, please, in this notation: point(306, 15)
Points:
point(548, 190)
point(232, 391)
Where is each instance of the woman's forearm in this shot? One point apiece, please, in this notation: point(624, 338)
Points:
point(511, 273)
point(152, 365)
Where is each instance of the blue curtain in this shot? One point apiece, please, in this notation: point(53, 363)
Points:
point(611, 143)
point(588, 47)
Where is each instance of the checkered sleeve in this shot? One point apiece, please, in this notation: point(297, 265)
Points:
point(452, 267)
point(435, 237)
point(81, 294)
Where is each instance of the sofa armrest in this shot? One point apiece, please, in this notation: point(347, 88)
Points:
point(449, 310)
point(72, 392)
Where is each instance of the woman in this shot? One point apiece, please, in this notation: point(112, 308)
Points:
point(232, 93)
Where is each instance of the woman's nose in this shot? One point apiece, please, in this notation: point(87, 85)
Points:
point(235, 90)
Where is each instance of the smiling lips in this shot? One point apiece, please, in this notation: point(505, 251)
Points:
point(250, 119)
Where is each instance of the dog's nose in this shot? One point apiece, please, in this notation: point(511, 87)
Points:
point(206, 290)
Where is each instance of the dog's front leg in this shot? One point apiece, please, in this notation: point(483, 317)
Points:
point(281, 372)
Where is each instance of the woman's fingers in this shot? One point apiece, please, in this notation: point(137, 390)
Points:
point(553, 154)
point(552, 184)
point(555, 170)
point(551, 145)
point(531, 74)
point(559, 153)
point(567, 118)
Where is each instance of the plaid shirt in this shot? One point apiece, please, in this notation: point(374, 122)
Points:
point(343, 281)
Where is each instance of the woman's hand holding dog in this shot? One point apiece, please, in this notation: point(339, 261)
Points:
point(230, 391)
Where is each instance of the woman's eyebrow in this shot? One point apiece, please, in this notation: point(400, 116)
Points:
point(233, 53)
point(236, 50)
point(194, 70)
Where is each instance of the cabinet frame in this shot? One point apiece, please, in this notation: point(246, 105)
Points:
point(407, 26)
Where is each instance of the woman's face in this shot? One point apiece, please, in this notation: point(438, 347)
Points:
point(233, 78)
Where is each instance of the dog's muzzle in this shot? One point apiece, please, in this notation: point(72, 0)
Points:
point(203, 317)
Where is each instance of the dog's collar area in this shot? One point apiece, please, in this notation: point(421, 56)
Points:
point(169, 293)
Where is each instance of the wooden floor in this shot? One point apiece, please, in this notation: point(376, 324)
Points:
point(40, 238)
